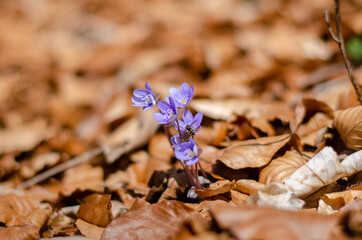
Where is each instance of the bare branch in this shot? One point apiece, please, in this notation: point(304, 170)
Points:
point(335, 38)
point(339, 39)
point(60, 168)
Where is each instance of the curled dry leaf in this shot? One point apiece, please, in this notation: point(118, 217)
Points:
point(324, 168)
point(306, 109)
point(96, 209)
point(281, 167)
point(249, 222)
point(349, 125)
point(155, 221)
point(330, 203)
point(276, 195)
point(253, 153)
point(219, 187)
point(248, 186)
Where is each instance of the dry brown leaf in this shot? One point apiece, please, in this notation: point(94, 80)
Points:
point(156, 221)
point(281, 167)
point(349, 125)
point(14, 208)
point(307, 108)
point(82, 177)
point(253, 153)
point(89, 230)
point(130, 135)
point(24, 137)
point(248, 186)
point(25, 232)
point(330, 203)
point(248, 222)
point(96, 209)
point(216, 188)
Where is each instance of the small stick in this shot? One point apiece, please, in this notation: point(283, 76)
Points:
point(339, 39)
point(85, 157)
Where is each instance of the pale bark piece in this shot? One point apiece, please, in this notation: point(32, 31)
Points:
point(281, 167)
point(24, 137)
point(89, 230)
point(249, 222)
point(276, 195)
point(155, 221)
point(349, 125)
point(252, 153)
point(324, 168)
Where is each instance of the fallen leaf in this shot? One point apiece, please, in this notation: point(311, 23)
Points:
point(219, 187)
point(330, 203)
point(155, 221)
point(324, 168)
point(89, 230)
point(248, 186)
point(248, 222)
point(307, 108)
point(24, 137)
point(253, 153)
point(28, 232)
point(96, 209)
point(349, 125)
point(276, 195)
point(281, 167)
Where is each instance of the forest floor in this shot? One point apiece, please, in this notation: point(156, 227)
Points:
point(279, 143)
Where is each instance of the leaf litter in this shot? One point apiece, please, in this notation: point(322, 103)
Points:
point(280, 135)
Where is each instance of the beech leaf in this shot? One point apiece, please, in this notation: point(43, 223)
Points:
point(281, 167)
point(156, 221)
point(349, 125)
point(249, 222)
point(252, 153)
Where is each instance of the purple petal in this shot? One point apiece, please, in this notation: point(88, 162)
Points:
point(187, 117)
point(163, 106)
point(192, 161)
point(140, 93)
point(158, 116)
point(184, 88)
point(197, 120)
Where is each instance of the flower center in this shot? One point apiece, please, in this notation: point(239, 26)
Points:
point(149, 99)
point(168, 114)
point(184, 100)
point(189, 153)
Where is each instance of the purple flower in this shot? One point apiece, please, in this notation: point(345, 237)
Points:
point(144, 98)
point(182, 97)
point(187, 151)
point(175, 140)
point(190, 125)
point(168, 113)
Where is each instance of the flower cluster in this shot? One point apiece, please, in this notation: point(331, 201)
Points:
point(183, 143)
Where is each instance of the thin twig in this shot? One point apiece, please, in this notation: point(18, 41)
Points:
point(85, 157)
point(339, 39)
